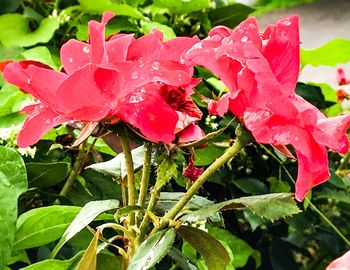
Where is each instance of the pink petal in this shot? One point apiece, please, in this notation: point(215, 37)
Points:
point(248, 31)
point(342, 263)
point(192, 172)
point(332, 132)
point(191, 133)
point(145, 109)
point(40, 119)
point(117, 47)
point(97, 38)
point(88, 94)
point(282, 50)
point(74, 55)
point(148, 46)
point(31, 78)
point(174, 48)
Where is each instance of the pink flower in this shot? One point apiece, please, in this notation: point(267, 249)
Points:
point(120, 77)
point(261, 72)
point(342, 263)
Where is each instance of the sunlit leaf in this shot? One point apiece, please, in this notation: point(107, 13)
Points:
point(182, 6)
point(88, 261)
point(13, 182)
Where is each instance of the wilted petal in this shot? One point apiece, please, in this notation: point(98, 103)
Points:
point(40, 119)
point(192, 172)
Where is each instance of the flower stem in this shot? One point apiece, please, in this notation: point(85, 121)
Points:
point(243, 138)
point(344, 162)
point(130, 172)
point(145, 174)
point(314, 207)
point(75, 170)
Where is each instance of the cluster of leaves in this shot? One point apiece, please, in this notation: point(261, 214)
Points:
point(32, 224)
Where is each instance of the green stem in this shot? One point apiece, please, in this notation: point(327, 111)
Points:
point(314, 207)
point(130, 172)
point(344, 162)
point(75, 170)
point(145, 174)
point(243, 138)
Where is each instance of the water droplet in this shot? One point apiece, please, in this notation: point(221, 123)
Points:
point(29, 80)
point(142, 90)
point(244, 39)
point(156, 65)
point(135, 98)
point(179, 77)
point(252, 25)
point(6, 182)
point(48, 121)
point(216, 38)
point(70, 59)
point(296, 138)
point(286, 23)
point(135, 75)
point(86, 49)
point(141, 62)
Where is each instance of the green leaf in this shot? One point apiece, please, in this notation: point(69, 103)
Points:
point(98, 7)
point(89, 259)
point(332, 53)
point(230, 15)
point(206, 156)
point(165, 171)
point(116, 167)
point(277, 185)
point(269, 206)
point(87, 214)
point(311, 93)
point(43, 225)
point(241, 250)
point(214, 254)
point(18, 256)
point(11, 99)
point(15, 31)
point(251, 185)
point(45, 175)
point(166, 30)
point(181, 260)
point(182, 6)
point(52, 264)
point(8, 6)
point(124, 211)
point(13, 182)
point(12, 53)
point(40, 54)
point(108, 262)
point(151, 251)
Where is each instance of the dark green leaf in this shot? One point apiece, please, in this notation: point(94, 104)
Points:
point(214, 254)
point(13, 182)
point(270, 206)
point(182, 6)
point(251, 185)
point(241, 250)
point(277, 185)
point(206, 156)
point(108, 262)
point(87, 214)
point(45, 175)
point(151, 251)
point(334, 52)
point(8, 6)
point(43, 225)
point(14, 30)
point(230, 15)
point(311, 93)
point(181, 260)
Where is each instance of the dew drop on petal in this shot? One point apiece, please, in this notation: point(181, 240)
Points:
point(252, 26)
point(156, 65)
point(286, 23)
point(29, 80)
point(244, 39)
point(135, 75)
point(216, 38)
point(70, 59)
point(296, 138)
point(86, 49)
point(48, 121)
point(141, 62)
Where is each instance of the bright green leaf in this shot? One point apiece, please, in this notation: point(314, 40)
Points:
point(332, 53)
point(166, 30)
point(15, 31)
point(13, 182)
point(45, 175)
point(11, 99)
point(18, 256)
point(87, 214)
point(151, 251)
point(98, 7)
point(43, 225)
point(40, 54)
point(182, 6)
point(214, 254)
